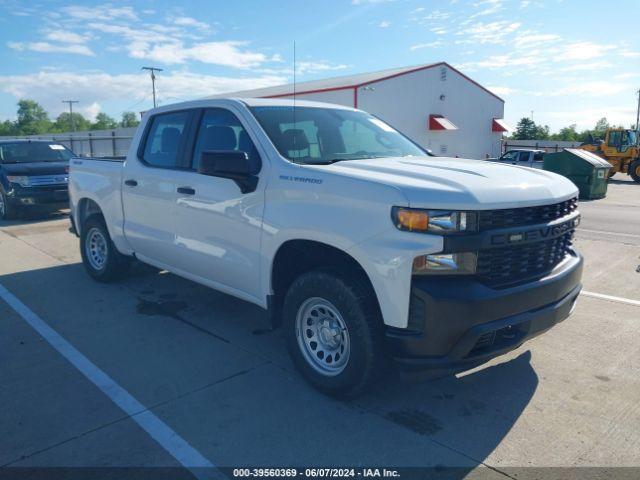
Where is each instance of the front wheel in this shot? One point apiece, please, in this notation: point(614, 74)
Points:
point(100, 258)
point(634, 170)
point(7, 211)
point(334, 331)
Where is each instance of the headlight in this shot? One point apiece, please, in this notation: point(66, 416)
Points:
point(433, 221)
point(20, 180)
point(445, 264)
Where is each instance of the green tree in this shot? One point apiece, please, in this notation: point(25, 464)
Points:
point(7, 128)
point(129, 119)
point(525, 130)
point(32, 118)
point(567, 134)
point(601, 127)
point(103, 122)
point(542, 132)
point(63, 123)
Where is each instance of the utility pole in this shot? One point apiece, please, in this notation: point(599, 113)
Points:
point(71, 102)
point(532, 115)
point(152, 70)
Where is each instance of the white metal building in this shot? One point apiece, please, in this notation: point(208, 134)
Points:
point(436, 105)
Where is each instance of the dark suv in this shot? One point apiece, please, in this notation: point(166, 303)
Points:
point(32, 173)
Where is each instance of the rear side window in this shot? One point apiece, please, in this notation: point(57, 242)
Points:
point(220, 130)
point(165, 138)
point(538, 157)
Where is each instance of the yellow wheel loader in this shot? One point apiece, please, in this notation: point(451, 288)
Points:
point(620, 148)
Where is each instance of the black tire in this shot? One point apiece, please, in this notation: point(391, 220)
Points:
point(634, 170)
point(7, 211)
point(114, 264)
point(355, 303)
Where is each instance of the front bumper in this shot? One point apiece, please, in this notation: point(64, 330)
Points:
point(55, 195)
point(458, 323)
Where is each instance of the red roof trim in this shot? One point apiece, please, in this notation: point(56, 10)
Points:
point(413, 70)
point(499, 125)
point(439, 122)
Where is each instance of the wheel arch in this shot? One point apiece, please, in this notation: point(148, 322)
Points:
point(297, 256)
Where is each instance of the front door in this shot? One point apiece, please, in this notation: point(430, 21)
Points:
point(218, 228)
point(148, 187)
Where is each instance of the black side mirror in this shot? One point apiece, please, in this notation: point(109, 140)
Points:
point(231, 164)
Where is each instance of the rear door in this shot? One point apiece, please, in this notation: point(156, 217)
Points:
point(218, 228)
point(149, 190)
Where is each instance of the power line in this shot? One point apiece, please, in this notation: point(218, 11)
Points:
point(73, 123)
point(153, 71)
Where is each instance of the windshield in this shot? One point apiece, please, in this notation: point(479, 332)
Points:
point(29, 152)
point(327, 135)
point(632, 138)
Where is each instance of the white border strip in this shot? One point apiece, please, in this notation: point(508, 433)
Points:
point(633, 235)
point(611, 298)
point(175, 445)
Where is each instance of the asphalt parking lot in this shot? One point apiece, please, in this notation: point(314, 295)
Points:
point(206, 366)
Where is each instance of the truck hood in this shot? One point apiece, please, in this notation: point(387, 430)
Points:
point(35, 168)
point(454, 183)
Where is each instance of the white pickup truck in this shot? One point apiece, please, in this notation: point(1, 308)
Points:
point(354, 240)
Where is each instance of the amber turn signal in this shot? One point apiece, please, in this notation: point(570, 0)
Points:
point(412, 220)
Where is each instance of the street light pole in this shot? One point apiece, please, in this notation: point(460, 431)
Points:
point(71, 102)
point(638, 114)
point(152, 70)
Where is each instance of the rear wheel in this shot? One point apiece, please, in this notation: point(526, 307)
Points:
point(334, 331)
point(634, 170)
point(100, 257)
point(7, 211)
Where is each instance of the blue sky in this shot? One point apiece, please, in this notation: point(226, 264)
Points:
point(568, 61)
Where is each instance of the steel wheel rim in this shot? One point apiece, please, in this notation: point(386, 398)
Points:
point(95, 247)
point(322, 336)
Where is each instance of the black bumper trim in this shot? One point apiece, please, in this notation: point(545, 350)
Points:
point(459, 312)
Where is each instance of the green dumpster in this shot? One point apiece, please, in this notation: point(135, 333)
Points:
point(587, 170)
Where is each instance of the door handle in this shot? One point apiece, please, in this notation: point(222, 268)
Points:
point(131, 183)
point(187, 190)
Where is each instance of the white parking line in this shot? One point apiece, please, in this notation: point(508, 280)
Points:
point(603, 232)
point(611, 298)
point(175, 445)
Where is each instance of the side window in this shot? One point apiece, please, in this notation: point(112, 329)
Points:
point(614, 138)
point(164, 139)
point(538, 157)
point(524, 157)
point(510, 156)
point(221, 130)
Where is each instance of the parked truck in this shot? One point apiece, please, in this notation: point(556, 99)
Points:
point(359, 245)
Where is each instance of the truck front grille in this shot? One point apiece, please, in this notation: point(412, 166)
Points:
point(510, 265)
point(517, 217)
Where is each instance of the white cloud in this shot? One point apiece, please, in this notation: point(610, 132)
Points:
point(583, 51)
point(488, 33)
point(104, 12)
point(530, 40)
point(319, 66)
point(65, 36)
point(437, 15)
point(420, 46)
point(97, 88)
point(363, 2)
point(46, 47)
point(595, 88)
point(91, 111)
point(587, 117)
point(228, 53)
point(502, 90)
point(384, 24)
point(630, 54)
point(190, 22)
